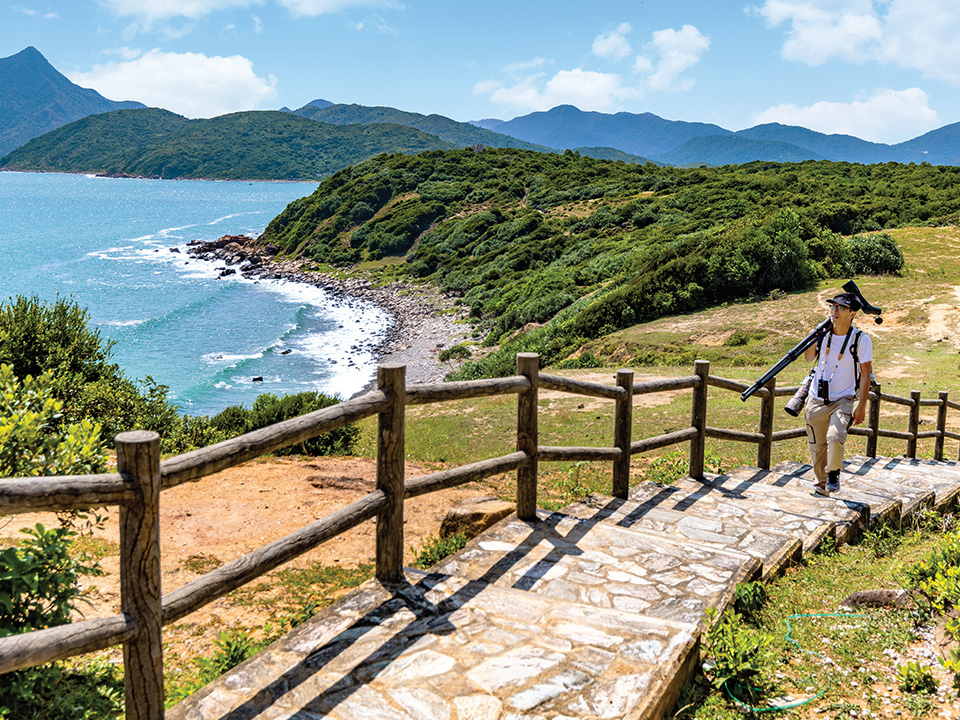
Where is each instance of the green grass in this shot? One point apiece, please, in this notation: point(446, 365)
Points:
point(842, 656)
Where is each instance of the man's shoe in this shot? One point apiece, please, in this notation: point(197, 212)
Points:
point(820, 490)
point(833, 481)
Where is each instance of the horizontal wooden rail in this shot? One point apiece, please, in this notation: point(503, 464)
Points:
point(652, 386)
point(59, 643)
point(465, 473)
point(661, 441)
point(737, 435)
point(581, 387)
point(896, 434)
point(465, 389)
point(738, 387)
point(68, 492)
point(790, 434)
point(927, 434)
point(226, 578)
point(930, 402)
point(205, 461)
point(952, 435)
point(560, 454)
point(896, 399)
point(857, 430)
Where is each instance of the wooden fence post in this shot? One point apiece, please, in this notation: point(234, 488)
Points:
point(141, 599)
point(391, 379)
point(622, 434)
point(941, 426)
point(528, 365)
point(873, 422)
point(698, 419)
point(914, 424)
point(767, 406)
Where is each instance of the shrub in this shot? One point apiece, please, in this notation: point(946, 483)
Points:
point(33, 439)
point(875, 254)
point(269, 409)
point(38, 578)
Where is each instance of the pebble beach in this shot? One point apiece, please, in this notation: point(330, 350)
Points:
point(424, 322)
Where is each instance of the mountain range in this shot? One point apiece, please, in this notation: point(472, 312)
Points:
point(36, 99)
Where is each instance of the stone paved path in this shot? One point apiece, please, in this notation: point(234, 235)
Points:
point(594, 611)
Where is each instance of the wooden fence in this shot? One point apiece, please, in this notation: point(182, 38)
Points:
point(141, 477)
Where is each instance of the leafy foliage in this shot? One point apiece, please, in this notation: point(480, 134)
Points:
point(269, 409)
point(33, 441)
point(436, 548)
point(735, 654)
point(38, 578)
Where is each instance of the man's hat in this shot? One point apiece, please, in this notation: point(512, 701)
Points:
point(847, 300)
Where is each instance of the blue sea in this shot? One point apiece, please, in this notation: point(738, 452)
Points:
point(106, 243)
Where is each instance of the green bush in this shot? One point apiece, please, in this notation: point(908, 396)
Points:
point(33, 438)
point(875, 254)
point(269, 409)
point(38, 578)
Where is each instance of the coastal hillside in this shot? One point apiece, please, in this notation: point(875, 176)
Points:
point(254, 145)
point(456, 133)
point(35, 98)
point(549, 251)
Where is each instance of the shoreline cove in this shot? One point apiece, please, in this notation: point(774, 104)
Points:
point(423, 322)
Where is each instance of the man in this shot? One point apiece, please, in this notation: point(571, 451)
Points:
point(838, 393)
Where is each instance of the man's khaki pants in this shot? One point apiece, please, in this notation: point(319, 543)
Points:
point(827, 426)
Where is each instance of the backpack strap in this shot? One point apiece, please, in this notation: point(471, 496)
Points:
point(856, 358)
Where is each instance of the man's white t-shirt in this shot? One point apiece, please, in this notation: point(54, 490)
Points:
point(843, 380)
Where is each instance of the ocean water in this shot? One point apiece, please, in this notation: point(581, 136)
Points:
point(106, 243)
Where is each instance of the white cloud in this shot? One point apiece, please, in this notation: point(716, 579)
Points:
point(677, 50)
point(301, 8)
point(903, 33)
point(887, 116)
point(673, 52)
point(257, 24)
point(613, 44)
point(124, 53)
point(35, 13)
point(585, 89)
point(150, 10)
point(190, 84)
point(525, 65)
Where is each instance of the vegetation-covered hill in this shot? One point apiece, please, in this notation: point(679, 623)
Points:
point(588, 246)
point(456, 133)
point(35, 98)
point(261, 145)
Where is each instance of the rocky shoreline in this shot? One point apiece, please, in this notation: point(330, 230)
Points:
point(424, 322)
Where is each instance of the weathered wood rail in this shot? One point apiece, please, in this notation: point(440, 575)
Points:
point(142, 476)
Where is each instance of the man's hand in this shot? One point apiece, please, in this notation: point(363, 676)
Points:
point(859, 413)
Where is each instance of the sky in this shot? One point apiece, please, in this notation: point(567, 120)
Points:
point(882, 70)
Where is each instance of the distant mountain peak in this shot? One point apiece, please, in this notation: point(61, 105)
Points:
point(36, 98)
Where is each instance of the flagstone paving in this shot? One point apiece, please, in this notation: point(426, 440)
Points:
point(594, 611)
point(890, 496)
